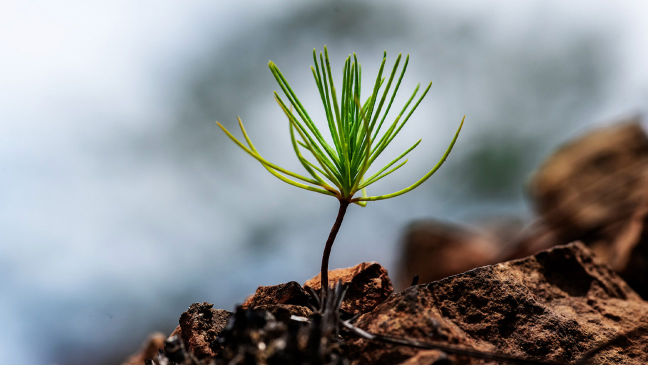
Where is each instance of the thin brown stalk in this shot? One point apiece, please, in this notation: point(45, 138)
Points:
point(329, 244)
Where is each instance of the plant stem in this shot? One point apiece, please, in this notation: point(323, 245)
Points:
point(329, 244)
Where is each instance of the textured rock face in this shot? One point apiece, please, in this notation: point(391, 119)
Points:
point(434, 250)
point(281, 300)
point(594, 180)
point(428, 357)
point(595, 189)
point(149, 349)
point(555, 305)
point(199, 327)
point(368, 286)
point(289, 293)
point(283, 312)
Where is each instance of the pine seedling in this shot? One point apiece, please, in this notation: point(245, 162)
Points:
point(340, 170)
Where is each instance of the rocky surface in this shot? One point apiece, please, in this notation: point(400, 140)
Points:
point(593, 181)
point(149, 349)
point(282, 300)
point(283, 312)
point(290, 293)
point(256, 337)
point(428, 357)
point(368, 285)
point(200, 326)
point(555, 305)
point(593, 189)
point(434, 250)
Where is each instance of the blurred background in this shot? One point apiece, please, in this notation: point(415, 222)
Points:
point(121, 202)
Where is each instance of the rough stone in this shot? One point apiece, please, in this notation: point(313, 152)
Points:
point(434, 250)
point(593, 180)
point(555, 305)
point(595, 189)
point(283, 312)
point(149, 349)
point(368, 286)
point(289, 293)
point(200, 326)
point(428, 357)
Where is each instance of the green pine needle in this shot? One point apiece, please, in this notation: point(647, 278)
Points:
point(340, 169)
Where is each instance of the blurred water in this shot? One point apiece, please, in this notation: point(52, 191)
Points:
point(121, 202)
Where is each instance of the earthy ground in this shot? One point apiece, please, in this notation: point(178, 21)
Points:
point(495, 289)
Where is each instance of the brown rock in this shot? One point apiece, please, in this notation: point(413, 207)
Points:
point(288, 293)
point(176, 332)
point(427, 357)
point(555, 305)
point(434, 250)
point(410, 314)
point(593, 180)
point(283, 312)
point(595, 189)
point(368, 286)
point(149, 349)
point(199, 327)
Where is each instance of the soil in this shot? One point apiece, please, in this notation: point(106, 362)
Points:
point(556, 306)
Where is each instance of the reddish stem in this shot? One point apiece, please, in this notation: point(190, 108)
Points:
point(329, 244)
